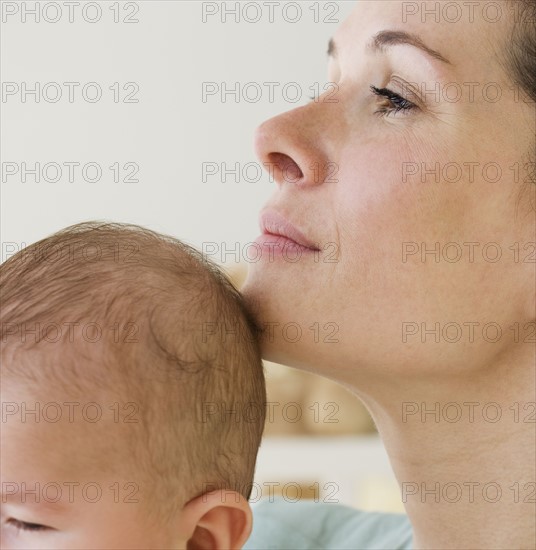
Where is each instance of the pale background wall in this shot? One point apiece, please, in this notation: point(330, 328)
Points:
point(170, 132)
point(168, 135)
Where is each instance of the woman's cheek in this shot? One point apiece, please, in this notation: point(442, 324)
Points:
point(378, 213)
point(371, 195)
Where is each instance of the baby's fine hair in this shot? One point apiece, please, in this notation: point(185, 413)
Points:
point(148, 317)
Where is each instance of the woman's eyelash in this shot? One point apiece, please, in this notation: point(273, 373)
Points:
point(26, 526)
point(399, 103)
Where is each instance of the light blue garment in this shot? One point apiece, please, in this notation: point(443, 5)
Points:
point(307, 525)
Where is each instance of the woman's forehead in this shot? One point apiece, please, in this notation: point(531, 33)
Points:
point(463, 37)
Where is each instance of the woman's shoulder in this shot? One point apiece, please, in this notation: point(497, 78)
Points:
point(305, 525)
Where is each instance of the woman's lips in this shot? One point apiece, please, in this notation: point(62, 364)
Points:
point(281, 236)
point(279, 245)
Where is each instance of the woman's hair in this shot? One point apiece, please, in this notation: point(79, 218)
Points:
point(521, 48)
point(520, 58)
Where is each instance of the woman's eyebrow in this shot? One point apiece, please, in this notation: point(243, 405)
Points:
point(387, 38)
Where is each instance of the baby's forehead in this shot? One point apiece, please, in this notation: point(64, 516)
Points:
point(64, 466)
point(54, 401)
point(49, 433)
point(58, 395)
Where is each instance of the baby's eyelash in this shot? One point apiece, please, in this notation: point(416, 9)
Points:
point(399, 103)
point(26, 526)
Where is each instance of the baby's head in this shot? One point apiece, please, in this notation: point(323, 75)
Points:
point(141, 367)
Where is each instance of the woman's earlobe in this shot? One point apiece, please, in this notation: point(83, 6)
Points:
point(219, 520)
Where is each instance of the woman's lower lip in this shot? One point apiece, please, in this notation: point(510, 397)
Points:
point(279, 246)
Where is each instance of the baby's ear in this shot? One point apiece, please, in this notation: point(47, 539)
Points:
point(219, 520)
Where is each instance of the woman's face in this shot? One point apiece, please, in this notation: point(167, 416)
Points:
point(410, 194)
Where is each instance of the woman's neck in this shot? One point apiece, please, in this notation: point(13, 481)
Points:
point(464, 453)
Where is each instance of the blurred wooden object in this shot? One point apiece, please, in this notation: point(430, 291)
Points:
point(306, 404)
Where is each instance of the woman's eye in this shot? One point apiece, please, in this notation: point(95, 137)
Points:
point(26, 526)
point(392, 103)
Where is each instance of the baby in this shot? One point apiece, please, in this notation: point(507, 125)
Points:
point(133, 397)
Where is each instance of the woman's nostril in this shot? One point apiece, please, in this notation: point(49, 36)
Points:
point(293, 173)
point(287, 168)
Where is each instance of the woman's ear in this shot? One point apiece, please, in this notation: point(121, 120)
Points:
point(219, 520)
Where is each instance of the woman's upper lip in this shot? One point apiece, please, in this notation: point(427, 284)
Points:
point(273, 223)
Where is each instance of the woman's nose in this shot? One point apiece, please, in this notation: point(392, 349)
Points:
point(292, 147)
